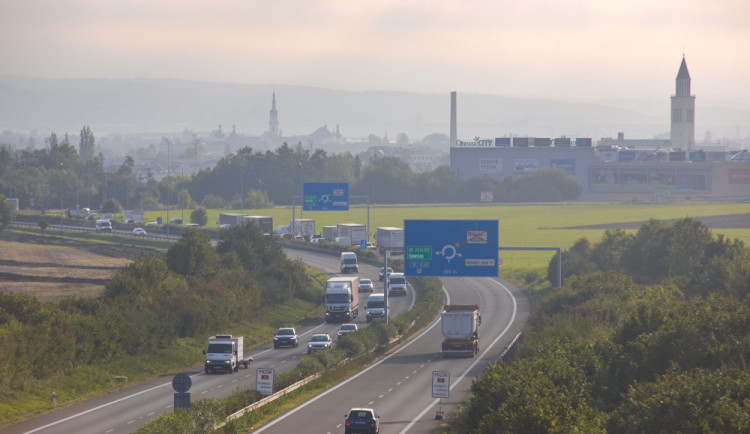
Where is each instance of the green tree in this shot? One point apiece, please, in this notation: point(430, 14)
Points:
point(681, 402)
point(199, 216)
point(257, 199)
point(213, 201)
point(5, 212)
point(111, 206)
point(607, 254)
point(646, 257)
point(575, 262)
point(386, 180)
point(183, 199)
point(86, 143)
point(192, 255)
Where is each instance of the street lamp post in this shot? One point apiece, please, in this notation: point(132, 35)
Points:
point(61, 197)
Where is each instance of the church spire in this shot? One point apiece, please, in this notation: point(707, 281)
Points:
point(682, 133)
point(683, 80)
point(273, 123)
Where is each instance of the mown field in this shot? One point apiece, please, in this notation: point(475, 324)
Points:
point(526, 225)
point(52, 272)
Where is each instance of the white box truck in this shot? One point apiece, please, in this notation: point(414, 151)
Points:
point(304, 227)
point(460, 324)
point(390, 238)
point(228, 219)
point(225, 353)
point(329, 233)
point(342, 298)
point(265, 222)
point(354, 231)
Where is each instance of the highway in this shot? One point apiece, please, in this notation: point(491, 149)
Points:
point(398, 385)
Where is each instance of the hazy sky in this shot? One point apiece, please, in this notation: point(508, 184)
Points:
point(587, 49)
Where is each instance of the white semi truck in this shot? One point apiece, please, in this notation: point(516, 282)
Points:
point(460, 324)
point(342, 299)
point(225, 353)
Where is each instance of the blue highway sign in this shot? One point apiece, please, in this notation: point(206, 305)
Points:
point(461, 248)
point(325, 196)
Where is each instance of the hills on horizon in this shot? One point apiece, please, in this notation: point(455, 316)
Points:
point(138, 106)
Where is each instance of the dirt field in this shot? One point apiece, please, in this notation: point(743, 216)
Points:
point(735, 221)
point(53, 268)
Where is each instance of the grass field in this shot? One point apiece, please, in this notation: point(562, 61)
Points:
point(522, 225)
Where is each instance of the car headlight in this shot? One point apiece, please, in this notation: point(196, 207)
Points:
point(208, 361)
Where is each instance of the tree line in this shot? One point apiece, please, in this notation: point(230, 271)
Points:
point(63, 176)
point(650, 333)
point(193, 291)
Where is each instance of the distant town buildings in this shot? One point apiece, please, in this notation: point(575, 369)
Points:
point(616, 169)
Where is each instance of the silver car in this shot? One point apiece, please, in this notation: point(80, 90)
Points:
point(345, 329)
point(320, 341)
point(365, 285)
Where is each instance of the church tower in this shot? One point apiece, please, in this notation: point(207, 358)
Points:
point(273, 123)
point(683, 111)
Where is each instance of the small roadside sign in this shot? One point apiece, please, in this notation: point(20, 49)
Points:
point(441, 384)
point(264, 381)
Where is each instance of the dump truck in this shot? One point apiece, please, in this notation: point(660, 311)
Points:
point(225, 353)
point(460, 324)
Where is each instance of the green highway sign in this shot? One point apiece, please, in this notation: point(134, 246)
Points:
point(419, 252)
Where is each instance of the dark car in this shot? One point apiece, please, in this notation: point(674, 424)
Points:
point(286, 337)
point(383, 274)
point(362, 420)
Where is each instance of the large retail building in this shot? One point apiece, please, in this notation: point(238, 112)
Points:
point(622, 170)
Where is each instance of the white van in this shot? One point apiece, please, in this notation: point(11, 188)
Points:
point(349, 263)
point(397, 284)
point(103, 225)
point(375, 307)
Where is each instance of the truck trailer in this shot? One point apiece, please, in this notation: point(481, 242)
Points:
point(390, 238)
point(225, 353)
point(460, 324)
point(354, 231)
point(304, 227)
point(264, 222)
point(329, 233)
point(229, 219)
point(342, 299)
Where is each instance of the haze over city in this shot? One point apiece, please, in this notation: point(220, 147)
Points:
point(624, 54)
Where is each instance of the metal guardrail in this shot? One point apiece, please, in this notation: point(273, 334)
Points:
point(267, 399)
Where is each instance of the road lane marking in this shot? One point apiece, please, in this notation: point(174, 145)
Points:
point(492, 344)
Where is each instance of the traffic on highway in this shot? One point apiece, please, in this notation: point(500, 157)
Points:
point(398, 385)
